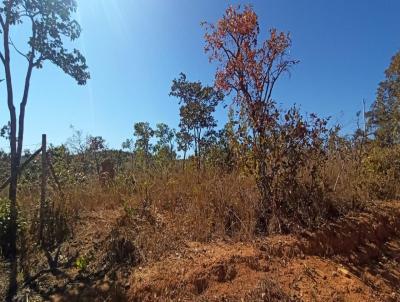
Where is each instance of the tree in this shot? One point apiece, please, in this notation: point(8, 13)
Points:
point(198, 104)
point(250, 69)
point(383, 120)
point(95, 145)
point(143, 133)
point(50, 23)
point(218, 149)
point(77, 143)
point(184, 141)
point(129, 145)
point(164, 146)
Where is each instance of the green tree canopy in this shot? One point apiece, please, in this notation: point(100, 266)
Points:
point(143, 133)
point(165, 141)
point(198, 104)
point(384, 117)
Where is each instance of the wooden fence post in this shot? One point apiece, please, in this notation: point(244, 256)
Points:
point(43, 186)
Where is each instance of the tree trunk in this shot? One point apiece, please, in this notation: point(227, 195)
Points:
point(16, 144)
point(197, 149)
point(13, 285)
point(262, 223)
point(268, 213)
point(13, 164)
point(43, 189)
point(184, 160)
point(96, 160)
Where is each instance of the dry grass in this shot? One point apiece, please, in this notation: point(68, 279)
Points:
point(169, 211)
point(164, 208)
point(157, 212)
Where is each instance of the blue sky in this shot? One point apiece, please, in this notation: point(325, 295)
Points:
point(135, 48)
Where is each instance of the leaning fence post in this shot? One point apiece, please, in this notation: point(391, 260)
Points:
point(43, 186)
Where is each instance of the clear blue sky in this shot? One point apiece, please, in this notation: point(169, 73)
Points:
point(135, 48)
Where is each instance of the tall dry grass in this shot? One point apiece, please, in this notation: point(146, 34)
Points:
point(162, 208)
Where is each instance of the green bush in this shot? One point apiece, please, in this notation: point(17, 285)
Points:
point(5, 225)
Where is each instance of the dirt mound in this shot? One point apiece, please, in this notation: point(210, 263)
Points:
point(354, 259)
point(369, 230)
point(222, 272)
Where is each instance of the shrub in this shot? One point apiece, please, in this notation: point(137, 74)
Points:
point(5, 220)
point(5, 226)
point(381, 172)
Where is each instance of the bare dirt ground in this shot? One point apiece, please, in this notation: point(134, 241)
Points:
point(354, 259)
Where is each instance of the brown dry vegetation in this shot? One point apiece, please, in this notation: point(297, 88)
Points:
point(276, 206)
point(173, 236)
point(156, 251)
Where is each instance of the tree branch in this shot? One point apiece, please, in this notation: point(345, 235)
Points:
point(228, 52)
point(24, 101)
point(3, 60)
point(2, 22)
point(17, 50)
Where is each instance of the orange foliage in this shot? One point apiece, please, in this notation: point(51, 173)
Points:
point(246, 66)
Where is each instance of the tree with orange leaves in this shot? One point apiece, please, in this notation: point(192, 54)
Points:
point(250, 68)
